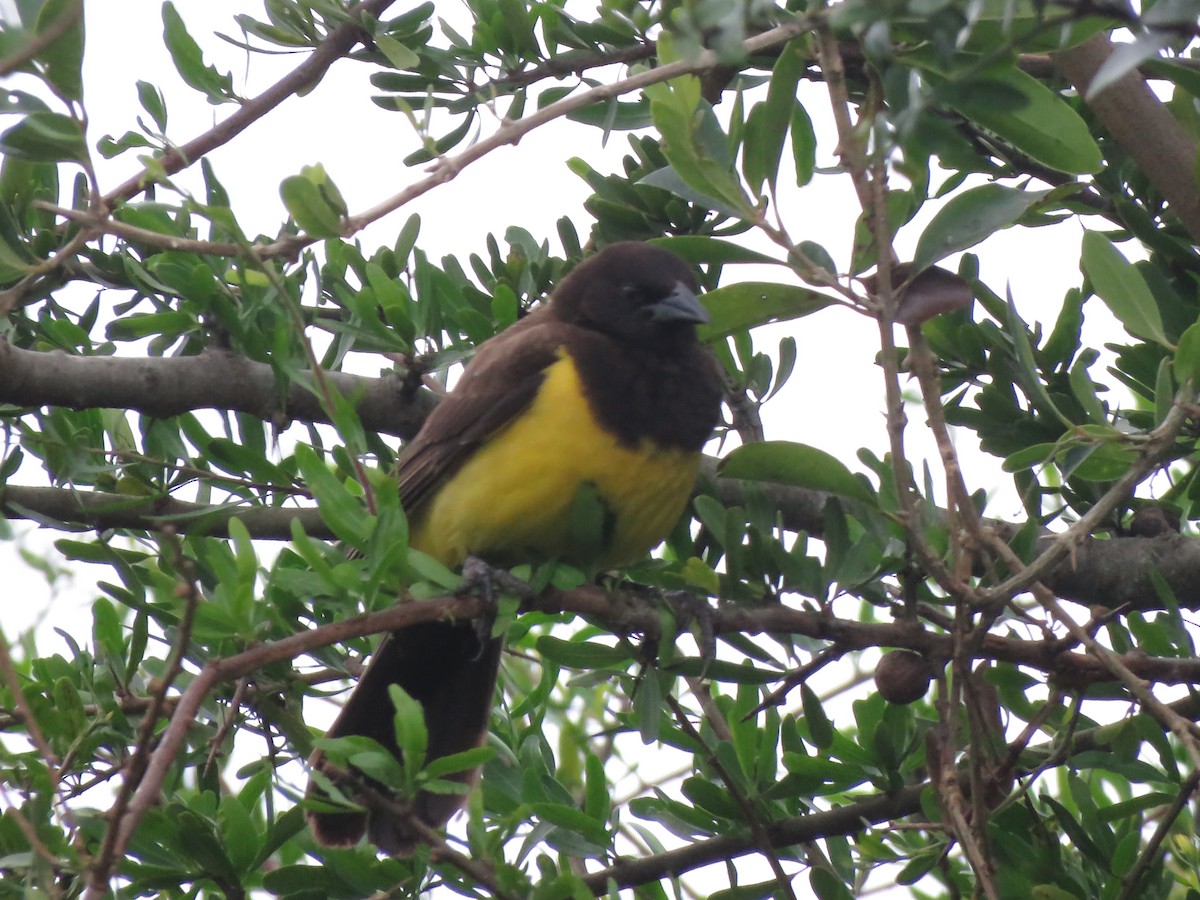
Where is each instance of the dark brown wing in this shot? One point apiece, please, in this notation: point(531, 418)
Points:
point(497, 386)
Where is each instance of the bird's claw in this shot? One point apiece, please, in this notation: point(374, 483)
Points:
point(485, 581)
point(690, 609)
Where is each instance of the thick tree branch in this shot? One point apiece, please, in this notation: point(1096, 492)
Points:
point(1113, 573)
point(95, 509)
point(849, 819)
point(1142, 125)
point(215, 379)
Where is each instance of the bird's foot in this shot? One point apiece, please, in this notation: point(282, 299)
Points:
point(688, 610)
point(482, 580)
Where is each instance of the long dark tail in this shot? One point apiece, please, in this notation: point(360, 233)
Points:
point(442, 666)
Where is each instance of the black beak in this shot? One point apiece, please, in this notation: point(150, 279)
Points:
point(681, 306)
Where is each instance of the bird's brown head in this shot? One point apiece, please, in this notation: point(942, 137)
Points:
point(635, 292)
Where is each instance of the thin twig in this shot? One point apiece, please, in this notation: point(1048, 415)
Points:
point(479, 871)
point(750, 814)
point(12, 811)
point(188, 707)
point(232, 713)
point(1150, 853)
point(872, 196)
point(112, 849)
point(511, 131)
point(797, 677)
point(89, 221)
point(70, 16)
point(13, 680)
point(303, 78)
point(10, 296)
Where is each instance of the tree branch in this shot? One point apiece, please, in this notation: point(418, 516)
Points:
point(1141, 125)
point(625, 613)
point(65, 507)
point(63, 22)
point(1113, 573)
point(844, 820)
point(167, 386)
point(303, 78)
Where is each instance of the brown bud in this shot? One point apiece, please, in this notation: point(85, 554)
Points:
point(903, 676)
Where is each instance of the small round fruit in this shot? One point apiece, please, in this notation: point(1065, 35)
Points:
point(903, 676)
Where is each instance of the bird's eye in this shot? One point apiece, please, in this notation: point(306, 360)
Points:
point(631, 292)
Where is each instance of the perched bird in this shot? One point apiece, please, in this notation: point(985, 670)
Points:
point(606, 389)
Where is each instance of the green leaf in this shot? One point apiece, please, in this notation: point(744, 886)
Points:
point(400, 56)
point(767, 125)
point(189, 59)
point(240, 838)
point(1122, 288)
point(574, 821)
point(614, 115)
point(827, 886)
point(1076, 831)
point(198, 841)
point(820, 729)
point(702, 250)
point(597, 801)
point(1085, 390)
point(1187, 355)
point(412, 735)
point(711, 797)
point(45, 137)
point(63, 57)
point(969, 218)
point(434, 571)
point(12, 102)
point(760, 891)
point(581, 654)
point(799, 465)
point(804, 144)
point(153, 102)
point(669, 179)
point(304, 881)
point(137, 326)
point(1043, 125)
point(1027, 371)
point(341, 510)
point(107, 631)
point(749, 304)
point(459, 762)
point(694, 143)
point(314, 201)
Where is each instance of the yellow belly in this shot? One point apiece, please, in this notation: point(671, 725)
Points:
point(513, 497)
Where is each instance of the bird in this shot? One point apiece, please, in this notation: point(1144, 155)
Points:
point(605, 391)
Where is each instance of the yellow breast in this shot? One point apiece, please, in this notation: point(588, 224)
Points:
point(513, 497)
